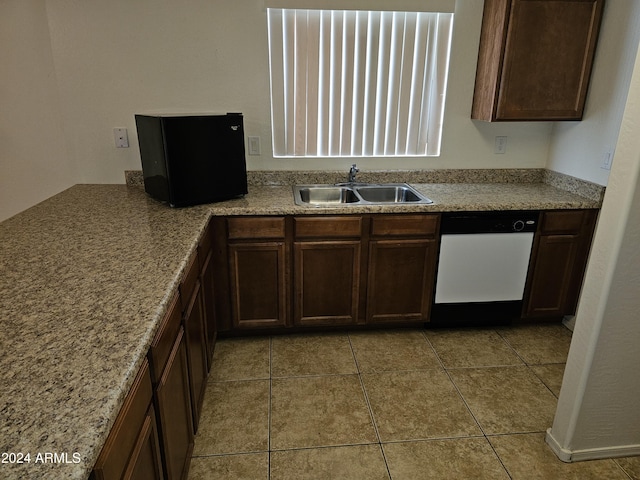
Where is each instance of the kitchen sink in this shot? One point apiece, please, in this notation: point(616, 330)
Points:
point(389, 194)
point(323, 195)
point(358, 194)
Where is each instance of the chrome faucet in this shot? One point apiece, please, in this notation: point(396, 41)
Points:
point(352, 173)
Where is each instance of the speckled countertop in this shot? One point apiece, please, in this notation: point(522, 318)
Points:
point(87, 275)
point(278, 200)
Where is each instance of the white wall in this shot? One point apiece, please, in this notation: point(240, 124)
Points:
point(34, 163)
point(75, 69)
point(577, 148)
point(116, 58)
point(597, 413)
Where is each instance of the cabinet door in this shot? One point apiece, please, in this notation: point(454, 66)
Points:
point(258, 277)
point(131, 442)
point(558, 263)
point(535, 59)
point(208, 299)
point(400, 283)
point(196, 352)
point(173, 401)
point(555, 258)
point(327, 282)
point(145, 462)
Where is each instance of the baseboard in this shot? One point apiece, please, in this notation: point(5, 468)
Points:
point(569, 456)
point(569, 321)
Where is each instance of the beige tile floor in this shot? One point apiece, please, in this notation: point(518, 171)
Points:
point(403, 404)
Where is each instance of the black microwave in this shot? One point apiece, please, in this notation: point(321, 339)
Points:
point(192, 159)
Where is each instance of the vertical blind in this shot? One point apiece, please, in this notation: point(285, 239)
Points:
point(357, 83)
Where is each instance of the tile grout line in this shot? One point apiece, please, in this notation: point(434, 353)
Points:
point(508, 343)
point(527, 364)
point(484, 434)
point(270, 406)
point(440, 363)
point(368, 402)
point(446, 371)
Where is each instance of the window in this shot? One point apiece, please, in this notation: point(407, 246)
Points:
point(357, 83)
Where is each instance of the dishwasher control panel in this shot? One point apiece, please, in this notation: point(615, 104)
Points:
point(489, 222)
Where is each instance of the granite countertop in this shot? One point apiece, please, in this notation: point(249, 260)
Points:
point(88, 274)
point(278, 200)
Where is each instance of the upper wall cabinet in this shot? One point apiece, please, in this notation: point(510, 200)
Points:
point(535, 59)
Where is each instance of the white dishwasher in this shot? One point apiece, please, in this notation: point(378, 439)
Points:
point(482, 267)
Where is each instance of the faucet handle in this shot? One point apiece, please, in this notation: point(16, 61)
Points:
point(352, 173)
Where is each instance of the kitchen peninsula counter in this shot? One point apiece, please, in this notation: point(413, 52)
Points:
point(86, 278)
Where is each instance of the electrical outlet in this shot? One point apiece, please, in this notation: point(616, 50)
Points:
point(254, 145)
point(121, 137)
point(501, 145)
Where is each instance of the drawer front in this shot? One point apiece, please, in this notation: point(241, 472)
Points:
point(328, 226)
point(256, 227)
point(163, 342)
point(566, 221)
point(189, 280)
point(404, 225)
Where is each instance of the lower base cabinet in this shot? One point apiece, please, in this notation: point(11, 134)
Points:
point(153, 436)
point(326, 270)
point(559, 260)
point(258, 284)
point(258, 271)
point(145, 463)
point(400, 280)
point(132, 450)
point(194, 322)
point(174, 412)
point(327, 282)
point(172, 394)
point(207, 279)
point(401, 268)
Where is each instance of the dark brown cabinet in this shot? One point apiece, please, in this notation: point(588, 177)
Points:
point(402, 263)
point(258, 272)
point(558, 263)
point(132, 450)
point(207, 280)
point(327, 259)
point(374, 269)
point(172, 393)
point(155, 440)
point(194, 331)
point(145, 463)
point(535, 59)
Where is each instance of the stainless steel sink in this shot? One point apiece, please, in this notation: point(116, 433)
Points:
point(323, 195)
point(357, 194)
point(389, 194)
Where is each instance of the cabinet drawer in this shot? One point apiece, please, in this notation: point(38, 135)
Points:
point(256, 227)
point(329, 226)
point(165, 337)
point(123, 437)
point(189, 280)
point(566, 221)
point(419, 225)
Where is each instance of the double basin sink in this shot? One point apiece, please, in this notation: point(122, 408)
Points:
point(358, 194)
